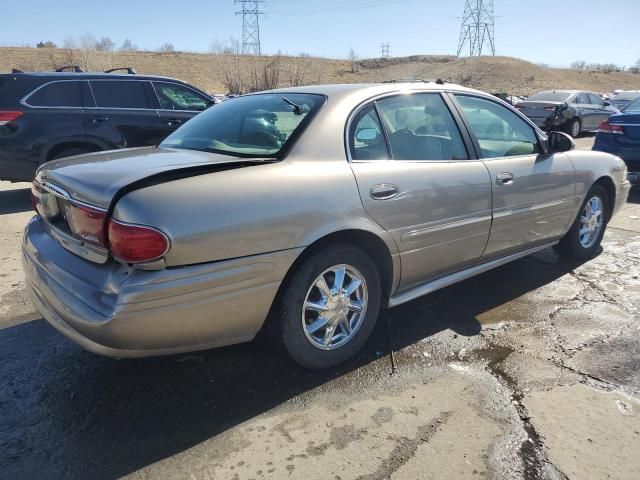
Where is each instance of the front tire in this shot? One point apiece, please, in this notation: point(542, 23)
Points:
point(329, 306)
point(583, 239)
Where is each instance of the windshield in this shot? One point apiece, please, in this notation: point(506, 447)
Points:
point(626, 96)
point(633, 106)
point(251, 126)
point(549, 97)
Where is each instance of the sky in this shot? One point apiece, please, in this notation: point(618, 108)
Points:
point(554, 32)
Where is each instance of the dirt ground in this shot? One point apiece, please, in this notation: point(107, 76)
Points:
point(528, 371)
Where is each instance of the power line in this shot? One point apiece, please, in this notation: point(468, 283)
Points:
point(250, 11)
point(337, 7)
point(478, 28)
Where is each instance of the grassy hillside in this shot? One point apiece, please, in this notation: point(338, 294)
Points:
point(211, 72)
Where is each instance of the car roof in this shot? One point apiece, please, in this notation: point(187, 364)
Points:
point(368, 90)
point(90, 75)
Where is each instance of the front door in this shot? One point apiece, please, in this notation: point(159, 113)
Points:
point(418, 181)
point(178, 104)
point(533, 192)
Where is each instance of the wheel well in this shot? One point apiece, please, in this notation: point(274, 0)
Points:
point(65, 146)
point(367, 241)
point(610, 188)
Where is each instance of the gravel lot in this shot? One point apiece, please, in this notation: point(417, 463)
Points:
point(528, 371)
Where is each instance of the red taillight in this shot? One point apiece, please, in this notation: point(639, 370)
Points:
point(87, 223)
point(136, 243)
point(606, 127)
point(7, 116)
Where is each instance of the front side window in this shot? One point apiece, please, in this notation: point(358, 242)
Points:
point(251, 126)
point(420, 127)
point(366, 138)
point(120, 94)
point(173, 96)
point(596, 100)
point(500, 132)
point(582, 99)
point(57, 94)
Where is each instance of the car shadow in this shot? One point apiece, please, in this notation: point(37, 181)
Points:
point(15, 201)
point(634, 195)
point(69, 413)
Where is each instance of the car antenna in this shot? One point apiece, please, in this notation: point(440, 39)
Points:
point(297, 109)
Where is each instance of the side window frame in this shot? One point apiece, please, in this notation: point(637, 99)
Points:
point(157, 96)
point(542, 149)
point(457, 118)
point(25, 100)
point(147, 88)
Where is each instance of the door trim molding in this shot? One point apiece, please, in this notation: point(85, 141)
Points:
point(432, 286)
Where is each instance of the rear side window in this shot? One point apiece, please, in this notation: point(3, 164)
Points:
point(366, 138)
point(596, 100)
point(120, 94)
point(582, 99)
point(420, 127)
point(178, 97)
point(57, 94)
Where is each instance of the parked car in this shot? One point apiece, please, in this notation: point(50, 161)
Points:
point(50, 115)
point(622, 99)
point(302, 212)
point(620, 135)
point(570, 111)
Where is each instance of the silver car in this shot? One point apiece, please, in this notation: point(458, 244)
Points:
point(304, 211)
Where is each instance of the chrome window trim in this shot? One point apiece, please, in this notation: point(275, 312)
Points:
point(396, 93)
point(153, 85)
point(24, 102)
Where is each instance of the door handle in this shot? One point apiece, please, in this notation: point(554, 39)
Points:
point(174, 121)
point(504, 178)
point(384, 191)
point(98, 118)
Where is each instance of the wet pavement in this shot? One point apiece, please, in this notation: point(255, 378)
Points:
point(527, 371)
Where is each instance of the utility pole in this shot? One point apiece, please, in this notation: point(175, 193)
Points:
point(250, 11)
point(385, 50)
point(478, 28)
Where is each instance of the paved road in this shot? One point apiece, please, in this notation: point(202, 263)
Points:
point(528, 371)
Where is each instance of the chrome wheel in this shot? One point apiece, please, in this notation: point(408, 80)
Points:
point(591, 222)
point(575, 128)
point(334, 307)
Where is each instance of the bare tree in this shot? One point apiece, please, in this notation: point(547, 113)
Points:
point(105, 44)
point(579, 65)
point(228, 54)
point(166, 48)
point(353, 58)
point(128, 46)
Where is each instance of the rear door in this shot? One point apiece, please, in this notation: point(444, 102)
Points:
point(600, 111)
point(124, 114)
point(418, 180)
point(588, 111)
point(533, 193)
point(178, 103)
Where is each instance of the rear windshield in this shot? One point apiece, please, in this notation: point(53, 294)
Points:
point(252, 126)
point(626, 96)
point(633, 106)
point(549, 97)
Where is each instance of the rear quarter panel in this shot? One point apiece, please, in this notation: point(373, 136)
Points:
point(251, 210)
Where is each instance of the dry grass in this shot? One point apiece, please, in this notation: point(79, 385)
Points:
point(207, 71)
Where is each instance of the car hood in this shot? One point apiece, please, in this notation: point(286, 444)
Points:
point(97, 178)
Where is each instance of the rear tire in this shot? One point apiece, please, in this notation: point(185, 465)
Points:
point(319, 319)
point(583, 239)
point(574, 127)
point(70, 152)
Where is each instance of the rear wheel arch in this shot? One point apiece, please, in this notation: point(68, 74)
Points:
point(55, 149)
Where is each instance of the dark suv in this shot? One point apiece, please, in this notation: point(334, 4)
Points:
point(51, 115)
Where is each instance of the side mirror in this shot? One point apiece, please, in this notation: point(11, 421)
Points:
point(366, 135)
point(607, 104)
point(560, 142)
